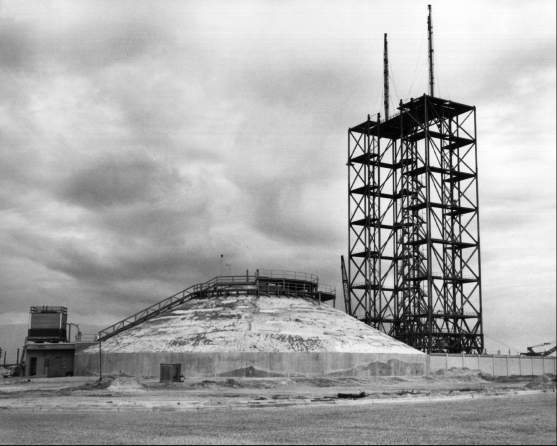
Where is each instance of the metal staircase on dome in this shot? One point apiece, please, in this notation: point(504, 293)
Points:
point(264, 282)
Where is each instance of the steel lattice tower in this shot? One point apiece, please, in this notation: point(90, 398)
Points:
point(413, 226)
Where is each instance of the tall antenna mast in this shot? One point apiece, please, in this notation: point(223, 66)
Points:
point(430, 42)
point(386, 77)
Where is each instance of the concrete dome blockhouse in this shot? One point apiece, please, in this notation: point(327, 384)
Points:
point(270, 324)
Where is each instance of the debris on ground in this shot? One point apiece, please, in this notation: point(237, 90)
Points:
point(126, 384)
point(352, 395)
point(131, 393)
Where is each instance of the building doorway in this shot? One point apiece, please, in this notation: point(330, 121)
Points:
point(33, 366)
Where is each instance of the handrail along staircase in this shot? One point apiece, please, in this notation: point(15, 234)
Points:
point(297, 285)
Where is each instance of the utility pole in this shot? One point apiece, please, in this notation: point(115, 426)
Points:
point(100, 362)
point(386, 76)
point(430, 49)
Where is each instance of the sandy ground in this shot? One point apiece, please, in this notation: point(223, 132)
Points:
point(123, 393)
point(458, 407)
point(510, 419)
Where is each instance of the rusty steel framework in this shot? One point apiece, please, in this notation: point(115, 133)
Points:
point(413, 226)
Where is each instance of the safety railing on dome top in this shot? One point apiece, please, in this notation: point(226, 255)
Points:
point(284, 274)
point(216, 283)
point(327, 289)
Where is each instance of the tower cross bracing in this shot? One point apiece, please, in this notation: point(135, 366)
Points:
point(413, 226)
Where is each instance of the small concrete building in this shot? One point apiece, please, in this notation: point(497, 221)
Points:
point(47, 352)
point(49, 359)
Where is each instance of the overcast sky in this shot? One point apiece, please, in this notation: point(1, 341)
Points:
point(140, 140)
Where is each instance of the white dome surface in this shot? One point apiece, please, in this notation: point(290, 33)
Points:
point(254, 324)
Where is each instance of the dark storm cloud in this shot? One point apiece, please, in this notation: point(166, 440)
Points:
point(114, 259)
point(285, 214)
point(105, 42)
point(309, 89)
point(149, 219)
point(90, 44)
point(157, 263)
point(119, 180)
point(17, 44)
point(537, 56)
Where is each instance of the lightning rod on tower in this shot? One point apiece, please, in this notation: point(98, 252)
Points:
point(430, 49)
point(386, 77)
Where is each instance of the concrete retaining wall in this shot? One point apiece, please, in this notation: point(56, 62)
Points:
point(496, 365)
point(253, 364)
point(308, 364)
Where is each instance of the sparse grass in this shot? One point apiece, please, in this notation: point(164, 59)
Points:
point(527, 419)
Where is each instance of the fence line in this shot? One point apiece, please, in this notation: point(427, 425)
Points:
point(496, 365)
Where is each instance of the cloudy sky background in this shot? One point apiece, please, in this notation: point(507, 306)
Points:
point(140, 140)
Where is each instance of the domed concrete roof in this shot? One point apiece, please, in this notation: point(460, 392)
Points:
point(254, 324)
